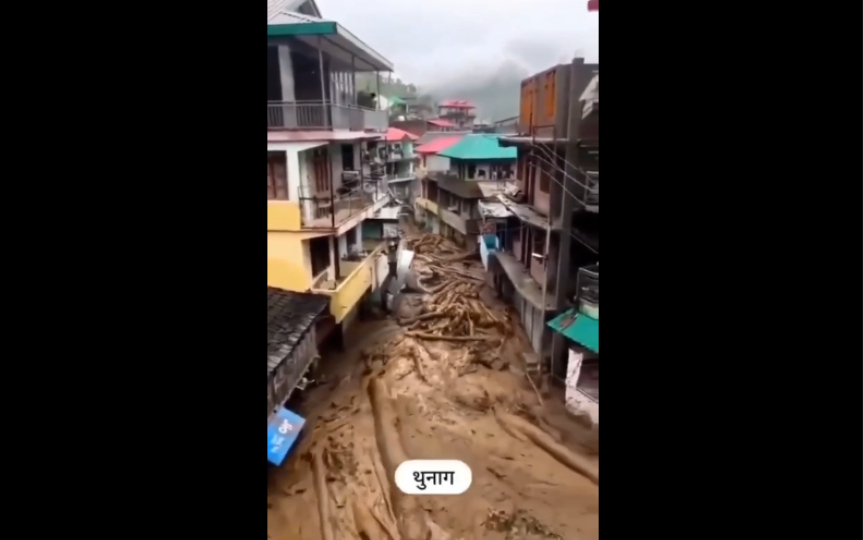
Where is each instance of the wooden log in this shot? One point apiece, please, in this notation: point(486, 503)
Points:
point(423, 335)
point(323, 495)
point(545, 441)
point(409, 514)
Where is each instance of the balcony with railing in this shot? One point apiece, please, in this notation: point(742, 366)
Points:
point(355, 278)
point(584, 187)
point(401, 154)
point(461, 221)
point(319, 115)
point(332, 209)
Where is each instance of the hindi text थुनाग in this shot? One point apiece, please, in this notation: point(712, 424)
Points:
point(436, 478)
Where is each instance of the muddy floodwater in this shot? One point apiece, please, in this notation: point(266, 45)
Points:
point(441, 380)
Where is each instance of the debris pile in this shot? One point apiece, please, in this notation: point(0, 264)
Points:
point(426, 395)
point(452, 309)
point(517, 525)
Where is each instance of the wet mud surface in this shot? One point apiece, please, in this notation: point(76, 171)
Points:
point(441, 380)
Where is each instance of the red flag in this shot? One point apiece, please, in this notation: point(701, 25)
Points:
point(592, 5)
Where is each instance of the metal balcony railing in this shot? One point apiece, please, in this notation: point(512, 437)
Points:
point(323, 115)
point(328, 211)
point(585, 188)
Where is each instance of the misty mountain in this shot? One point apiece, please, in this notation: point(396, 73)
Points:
point(495, 95)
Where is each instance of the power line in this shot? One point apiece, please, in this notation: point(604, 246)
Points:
point(566, 175)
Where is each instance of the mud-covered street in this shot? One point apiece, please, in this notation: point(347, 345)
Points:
point(441, 379)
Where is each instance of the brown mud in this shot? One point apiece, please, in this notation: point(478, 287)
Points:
point(408, 389)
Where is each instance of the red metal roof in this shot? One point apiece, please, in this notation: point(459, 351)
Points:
point(438, 145)
point(396, 134)
point(592, 5)
point(457, 104)
point(440, 122)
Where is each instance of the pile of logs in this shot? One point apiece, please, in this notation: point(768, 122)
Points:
point(452, 309)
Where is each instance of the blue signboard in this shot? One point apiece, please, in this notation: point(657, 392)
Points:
point(283, 428)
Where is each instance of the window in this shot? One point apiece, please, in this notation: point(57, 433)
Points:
point(471, 170)
point(538, 245)
point(321, 169)
point(277, 176)
point(544, 173)
point(527, 95)
point(319, 249)
point(348, 157)
point(549, 94)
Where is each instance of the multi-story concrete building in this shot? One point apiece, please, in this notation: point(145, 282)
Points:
point(457, 111)
point(319, 191)
point(448, 202)
point(554, 230)
point(396, 157)
point(424, 126)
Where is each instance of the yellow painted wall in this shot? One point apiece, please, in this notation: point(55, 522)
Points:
point(283, 216)
point(431, 206)
point(349, 293)
point(287, 266)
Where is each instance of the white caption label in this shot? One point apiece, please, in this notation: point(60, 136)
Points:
point(433, 477)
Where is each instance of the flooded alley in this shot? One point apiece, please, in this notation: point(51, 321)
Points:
point(441, 377)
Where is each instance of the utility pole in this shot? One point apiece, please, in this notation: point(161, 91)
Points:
point(576, 76)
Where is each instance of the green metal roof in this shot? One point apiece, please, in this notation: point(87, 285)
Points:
point(290, 23)
point(395, 100)
point(481, 146)
point(333, 38)
point(578, 327)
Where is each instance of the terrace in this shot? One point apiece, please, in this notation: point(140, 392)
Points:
point(312, 68)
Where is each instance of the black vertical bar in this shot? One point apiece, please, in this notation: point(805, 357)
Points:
point(324, 108)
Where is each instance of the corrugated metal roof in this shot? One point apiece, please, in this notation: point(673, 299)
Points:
point(457, 104)
point(437, 145)
point(388, 212)
point(440, 122)
point(524, 212)
point(284, 16)
point(274, 7)
point(430, 136)
point(289, 316)
point(482, 146)
point(578, 327)
point(489, 209)
point(494, 188)
point(395, 134)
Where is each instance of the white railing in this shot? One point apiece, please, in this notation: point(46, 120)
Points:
point(323, 115)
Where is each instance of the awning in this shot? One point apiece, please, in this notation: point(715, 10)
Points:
point(330, 36)
point(578, 327)
point(283, 429)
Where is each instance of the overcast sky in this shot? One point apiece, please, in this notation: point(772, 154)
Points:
point(433, 42)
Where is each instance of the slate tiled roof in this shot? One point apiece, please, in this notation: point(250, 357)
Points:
point(289, 316)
